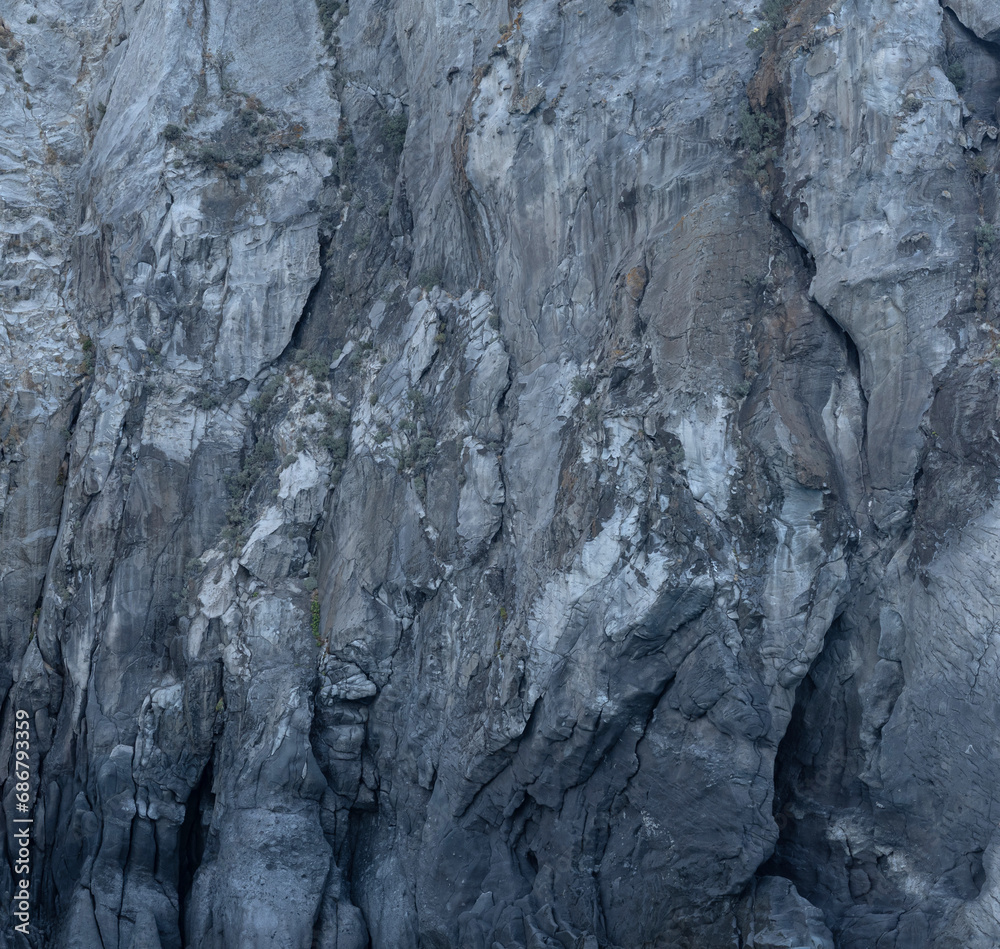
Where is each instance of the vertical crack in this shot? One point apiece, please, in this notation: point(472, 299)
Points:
point(191, 840)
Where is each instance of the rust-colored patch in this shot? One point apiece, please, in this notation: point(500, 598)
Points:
point(460, 146)
point(636, 282)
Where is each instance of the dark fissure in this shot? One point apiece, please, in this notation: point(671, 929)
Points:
point(816, 780)
point(191, 842)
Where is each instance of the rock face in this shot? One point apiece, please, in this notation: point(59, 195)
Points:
point(502, 476)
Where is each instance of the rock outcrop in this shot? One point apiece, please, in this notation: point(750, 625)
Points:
point(505, 476)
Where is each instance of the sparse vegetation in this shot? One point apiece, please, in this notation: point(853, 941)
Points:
point(979, 165)
point(328, 10)
point(240, 485)
point(955, 72)
point(348, 158)
point(208, 401)
point(394, 133)
point(986, 236)
point(773, 15)
point(416, 399)
point(986, 239)
point(314, 622)
point(87, 365)
point(317, 367)
point(759, 135)
point(250, 132)
point(262, 402)
point(429, 277)
point(758, 131)
point(229, 157)
point(582, 386)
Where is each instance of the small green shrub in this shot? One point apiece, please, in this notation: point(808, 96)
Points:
point(231, 158)
point(89, 354)
point(348, 157)
point(979, 166)
point(757, 130)
point(426, 446)
point(582, 386)
point(172, 132)
point(336, 445)
point(416, 399)
point(429, 277)
point(209, 400)
point(33, 18)
point(955, 72)
point(262, 402)
point(318, 367)
point(394, 133)
point(314, 621)
point(986, 236)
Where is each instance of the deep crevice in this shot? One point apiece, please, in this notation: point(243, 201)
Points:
point(816, 775)
point(191, 840)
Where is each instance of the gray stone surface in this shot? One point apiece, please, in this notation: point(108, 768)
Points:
point(502, 475)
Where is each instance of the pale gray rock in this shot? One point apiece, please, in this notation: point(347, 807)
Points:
point(981, 16)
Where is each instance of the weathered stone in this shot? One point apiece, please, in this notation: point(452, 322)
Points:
point(489, 481)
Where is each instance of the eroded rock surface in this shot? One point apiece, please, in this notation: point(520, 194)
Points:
point(502, 476)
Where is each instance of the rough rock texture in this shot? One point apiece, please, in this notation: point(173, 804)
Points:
point(499, 476)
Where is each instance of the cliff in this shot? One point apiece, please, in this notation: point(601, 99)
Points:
point(502, 475)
